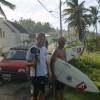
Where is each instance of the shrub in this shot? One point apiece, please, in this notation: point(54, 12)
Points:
point(89, 64)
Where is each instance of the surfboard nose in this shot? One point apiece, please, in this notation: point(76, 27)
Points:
point(92, 87)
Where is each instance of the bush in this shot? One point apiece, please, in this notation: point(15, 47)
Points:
point(89, 64)
point(94, 44)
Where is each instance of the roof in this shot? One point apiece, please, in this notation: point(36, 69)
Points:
point(19, 27)
point(20, 48)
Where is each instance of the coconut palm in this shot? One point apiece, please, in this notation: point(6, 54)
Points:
point(8, 4)
point(95, 17)
point(98, 1)
point(75, 16)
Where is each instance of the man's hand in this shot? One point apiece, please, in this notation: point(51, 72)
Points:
point(32, 63)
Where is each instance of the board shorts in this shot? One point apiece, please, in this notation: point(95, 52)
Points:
point(59, 85)
point(38, 85)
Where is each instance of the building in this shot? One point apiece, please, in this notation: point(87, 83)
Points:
point(11, 34)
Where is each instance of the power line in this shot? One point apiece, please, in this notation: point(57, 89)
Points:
point(46, 8)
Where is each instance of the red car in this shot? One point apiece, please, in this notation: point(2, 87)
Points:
point(14, 65)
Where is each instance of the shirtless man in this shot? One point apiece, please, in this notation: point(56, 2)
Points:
point(59, 52)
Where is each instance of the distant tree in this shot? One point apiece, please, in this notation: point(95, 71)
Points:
point(8, 4)
point(39, 27)
point(28, 24)
point(47, 27)
point(98, 1)
point(33, 27)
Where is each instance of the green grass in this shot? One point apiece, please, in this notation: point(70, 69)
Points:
point(72, 94)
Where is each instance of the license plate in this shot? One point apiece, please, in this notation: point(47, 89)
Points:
point(6, 75)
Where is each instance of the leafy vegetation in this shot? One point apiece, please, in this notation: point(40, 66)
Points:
point(76, 17)
point(94, 16)
point(72, 94)
point(93, 44)
point(8, 4)
point(72, 44)
point(89, 63)
point(34, 28)
point(80, 18)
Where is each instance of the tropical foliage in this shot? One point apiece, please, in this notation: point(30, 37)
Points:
point(75, 16)
point(81, 18)
point(8, 4)
point(34, 27)
point(94, 16)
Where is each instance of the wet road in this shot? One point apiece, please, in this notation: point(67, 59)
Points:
point(12, 90)
point(16, 90)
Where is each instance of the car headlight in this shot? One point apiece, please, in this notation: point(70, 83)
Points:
point(0, 68)
point(21, 70)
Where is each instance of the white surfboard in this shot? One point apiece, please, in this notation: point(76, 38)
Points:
point(73, 77)
point(73, 51)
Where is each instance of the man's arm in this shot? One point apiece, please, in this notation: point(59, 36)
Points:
point(65, 55)
point(52, 62)
point(30, 58)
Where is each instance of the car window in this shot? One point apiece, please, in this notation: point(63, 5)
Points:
point(17, 54)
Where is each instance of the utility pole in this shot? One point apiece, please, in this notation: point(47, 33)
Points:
point(60, 3)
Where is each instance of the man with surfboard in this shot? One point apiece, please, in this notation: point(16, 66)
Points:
point(60, 52)
point(36, 57)
point(68, 74)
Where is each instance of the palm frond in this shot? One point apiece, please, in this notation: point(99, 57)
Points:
point(2, 12)
point(71, 5)
point(6, 3)
point(75, 2)
point(82, 4)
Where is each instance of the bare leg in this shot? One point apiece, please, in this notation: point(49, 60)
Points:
point(57, 95)
point(61, 94)
point(33, 98)
point(42, 97)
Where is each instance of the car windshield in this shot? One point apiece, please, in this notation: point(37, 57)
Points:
point(17, 54)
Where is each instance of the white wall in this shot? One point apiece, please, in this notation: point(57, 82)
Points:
point(11, 38)
point(24, 37)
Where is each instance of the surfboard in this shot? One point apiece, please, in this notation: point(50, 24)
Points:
point(73, 51)
point(71, 76)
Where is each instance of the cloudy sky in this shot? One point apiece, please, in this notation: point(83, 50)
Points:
point(32, 9)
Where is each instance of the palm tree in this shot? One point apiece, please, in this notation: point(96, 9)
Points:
point(74, 14)
point(8, 4)
point(98, 1)
point(95, 17)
